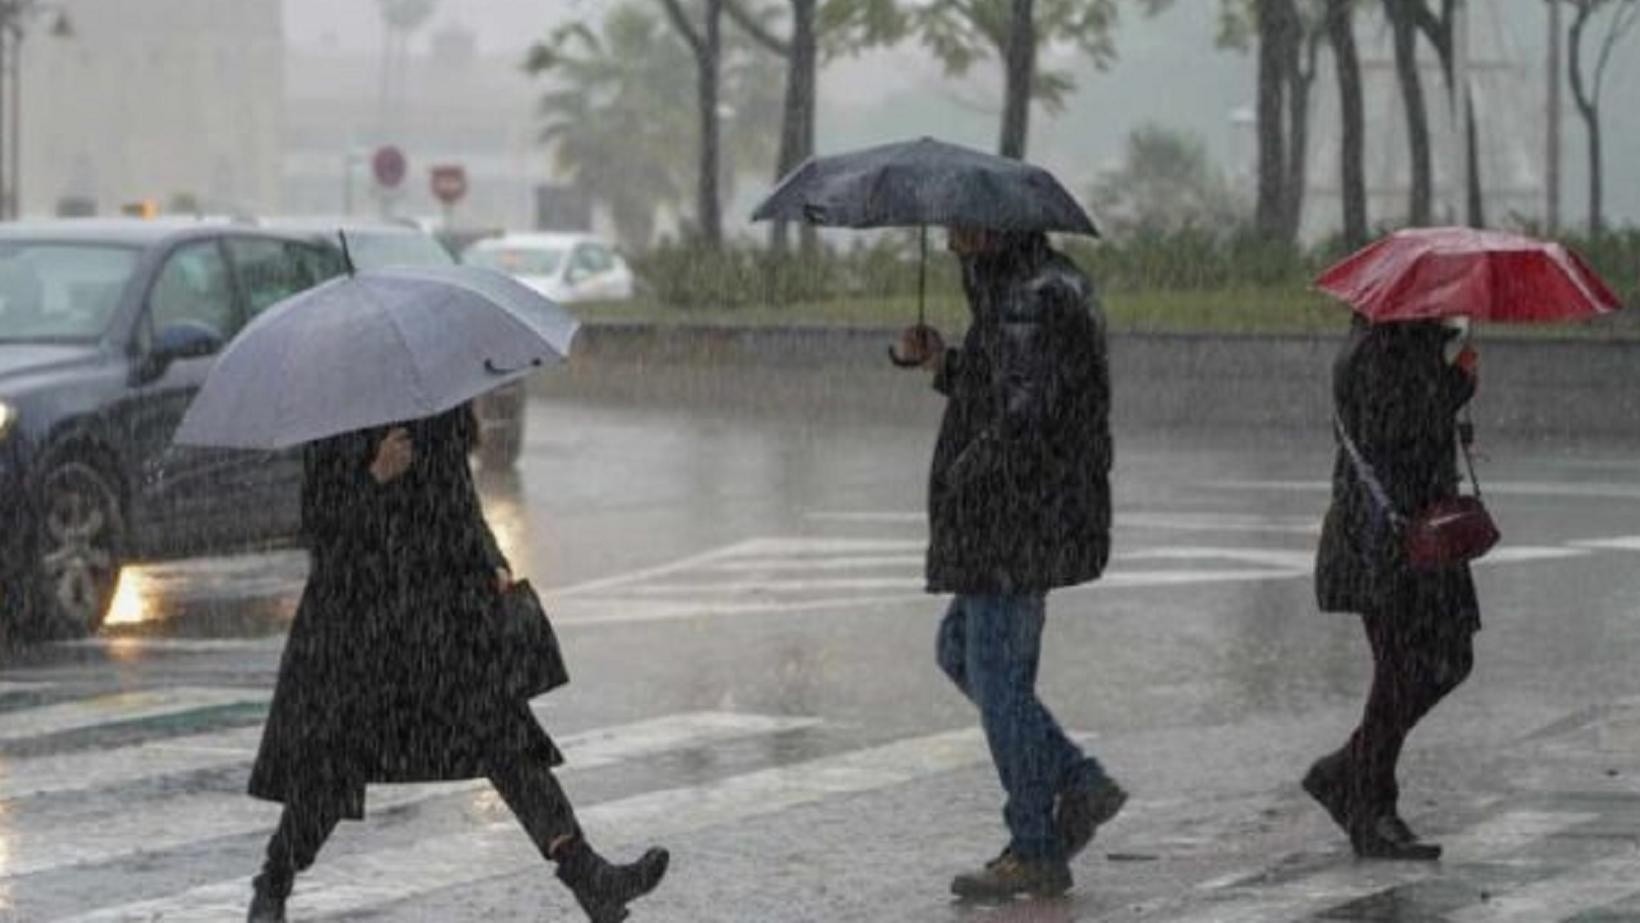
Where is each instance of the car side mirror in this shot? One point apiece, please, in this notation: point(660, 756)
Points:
point(180, 340)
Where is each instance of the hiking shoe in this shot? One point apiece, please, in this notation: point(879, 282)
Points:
point(1008, 875)
point(1080, 814)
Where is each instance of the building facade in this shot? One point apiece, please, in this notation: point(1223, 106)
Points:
point(172, 101)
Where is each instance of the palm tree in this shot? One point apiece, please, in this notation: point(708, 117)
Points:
point(622, 119)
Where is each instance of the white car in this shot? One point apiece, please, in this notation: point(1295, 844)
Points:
point(568, 268)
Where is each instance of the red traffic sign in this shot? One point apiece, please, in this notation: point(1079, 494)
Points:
point(449, 183)
point(389, 166)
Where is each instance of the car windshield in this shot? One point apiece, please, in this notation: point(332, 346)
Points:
point(381, 251)
point(60, 291)
point(519, 261)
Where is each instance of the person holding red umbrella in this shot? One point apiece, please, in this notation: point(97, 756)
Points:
point(1398, 536)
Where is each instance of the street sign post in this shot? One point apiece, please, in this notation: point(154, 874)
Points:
point(449, 185)
point(389, 166)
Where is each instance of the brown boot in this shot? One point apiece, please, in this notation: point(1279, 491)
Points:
point(1008, 875)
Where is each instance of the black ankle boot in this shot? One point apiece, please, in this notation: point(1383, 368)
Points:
point(267, 903)
point(603, 890)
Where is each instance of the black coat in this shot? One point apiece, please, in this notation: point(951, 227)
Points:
point(1398, 399)
point(1019, 492)
point(384, 678)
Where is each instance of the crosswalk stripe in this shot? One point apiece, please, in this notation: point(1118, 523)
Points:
point(356, 883)
point(169, 823)
point(10, 686)
point(1591, 887)
point(1617, 543)
point(125, 706)
point(760, 565)
point(1340, 884)
point(78, 771)
point(1613, 491)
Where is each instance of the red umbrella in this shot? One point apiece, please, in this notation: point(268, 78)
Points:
point(1428, 273)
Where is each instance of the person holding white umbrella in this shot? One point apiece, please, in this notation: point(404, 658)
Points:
point(398, 668)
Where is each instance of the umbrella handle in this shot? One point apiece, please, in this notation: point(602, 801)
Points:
point(894, 357)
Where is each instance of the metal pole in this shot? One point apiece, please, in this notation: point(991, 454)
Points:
point(922, 281)
point(1552, 165)
point(1460, 82)
point(8, 13)
point(17, 125)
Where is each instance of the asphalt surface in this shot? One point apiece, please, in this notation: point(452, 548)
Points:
point(739, 595)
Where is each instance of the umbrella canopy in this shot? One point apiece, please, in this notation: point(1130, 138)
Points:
point(371, 349)
point(925, 182)
point(1429, 273)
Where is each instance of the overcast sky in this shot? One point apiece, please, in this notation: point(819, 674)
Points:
point(501, 25)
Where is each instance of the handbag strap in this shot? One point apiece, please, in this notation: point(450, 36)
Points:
point(1364, 471)
point(1466, 433)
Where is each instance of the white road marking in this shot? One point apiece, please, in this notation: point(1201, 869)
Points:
point(127, 706)
point(771, 565)
point(173, 822)
point(1618, 543)
point(1605, 491)
point(1589, 887)
point(351, 884)
point(1180, 521)
point(10, 686)
point(1522, 554)
point(1347, 881)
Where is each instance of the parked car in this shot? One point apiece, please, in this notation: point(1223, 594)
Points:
point(568, 268)
point(107, 330)
point(382, 245)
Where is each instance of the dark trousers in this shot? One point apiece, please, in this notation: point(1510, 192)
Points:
point(527, 786)
point(1417, 661)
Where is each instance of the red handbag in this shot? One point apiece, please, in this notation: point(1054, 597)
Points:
point(1447, 533)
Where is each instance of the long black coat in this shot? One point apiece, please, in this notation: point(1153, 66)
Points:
point(384, 676)
point(1398, 399)
point(1019, 492)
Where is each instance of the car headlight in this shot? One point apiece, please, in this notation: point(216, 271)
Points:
point(8, 417)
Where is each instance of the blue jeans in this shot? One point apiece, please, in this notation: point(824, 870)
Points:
point(990, 647)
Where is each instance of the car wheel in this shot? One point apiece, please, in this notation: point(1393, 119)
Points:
point(78, 551)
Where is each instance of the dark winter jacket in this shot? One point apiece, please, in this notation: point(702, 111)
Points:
point(384, 676)
point(1019, 493)
point(1398, 399)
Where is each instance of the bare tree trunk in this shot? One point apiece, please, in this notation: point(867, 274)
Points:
point(1276, 21)
point(1298, 137)
point(1421, 195)
point(709, 208)
point(1597, 192)
point(1021, 75)
point(797, 118)
point(1472, 151)
point(1352, 171)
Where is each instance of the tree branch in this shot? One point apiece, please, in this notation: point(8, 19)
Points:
point(749, 24)
point(1580, 93)
point(680, 21)
point(1622, 20)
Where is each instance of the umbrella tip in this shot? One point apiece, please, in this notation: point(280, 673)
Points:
point(347, 254)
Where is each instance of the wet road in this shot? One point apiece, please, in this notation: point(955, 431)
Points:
point(739, 596)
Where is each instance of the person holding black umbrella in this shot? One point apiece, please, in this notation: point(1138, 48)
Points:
point(1019, 504)
point(1019, 495)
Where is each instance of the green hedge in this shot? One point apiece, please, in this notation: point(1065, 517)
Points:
point(745, 274)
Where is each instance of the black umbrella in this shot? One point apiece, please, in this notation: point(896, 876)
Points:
point(919, 183)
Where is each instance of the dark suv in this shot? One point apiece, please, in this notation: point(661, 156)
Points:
point(107, 329)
